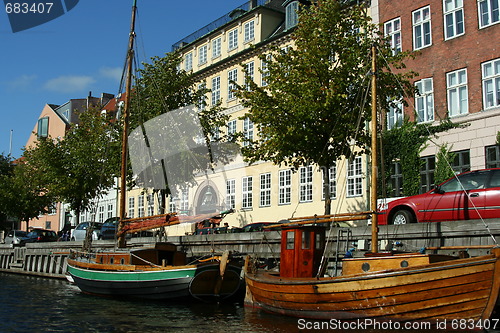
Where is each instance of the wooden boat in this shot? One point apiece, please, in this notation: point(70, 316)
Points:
point(159, 272)
point(384, 286)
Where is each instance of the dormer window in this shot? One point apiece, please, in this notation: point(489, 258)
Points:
point(291, 12)
point(43, 127)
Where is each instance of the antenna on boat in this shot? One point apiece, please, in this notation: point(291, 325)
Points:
point(374, 244)
point(123, 174)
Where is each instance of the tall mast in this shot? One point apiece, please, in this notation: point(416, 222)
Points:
point(123, 174)
point(373, 192)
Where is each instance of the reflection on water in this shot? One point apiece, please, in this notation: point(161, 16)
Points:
point(32, 304)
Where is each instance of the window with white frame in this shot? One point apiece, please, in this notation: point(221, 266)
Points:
point(202, 99)
point(285, 187)
point(151, 205)
point(43, 127)
point(392, 30)
point(140, 206)
point(246, 192)
point(491, 83)
point(249, 29)
point(247, 132)
point(215, 90)
point(216, 47)
point(202, 54)
point(111, 212)
point(292, 17)
point(422, 28)
point(188, 61)
point(131, 207)
point(232, 39)
point(453, 18)
point(250, 71)
point(332, 182)
point(305, 183)
point(230, 193)
point(101, 214)
point(231, 129)
point(265, 190)
point(456, 85)
point(424, 100)
point(489, 12)
point(264, 70)
point(232, 77)
point(355, 177)
point(184, 200)
point(395, 115)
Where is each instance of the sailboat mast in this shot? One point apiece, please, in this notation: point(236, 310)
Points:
point(123, 174)
point(373, 192)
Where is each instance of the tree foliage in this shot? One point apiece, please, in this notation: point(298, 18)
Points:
point(82, 166)
point(316, 104)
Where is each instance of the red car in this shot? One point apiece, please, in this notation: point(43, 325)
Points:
point(470, 195)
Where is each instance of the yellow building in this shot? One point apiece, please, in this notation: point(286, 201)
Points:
point(261, 192)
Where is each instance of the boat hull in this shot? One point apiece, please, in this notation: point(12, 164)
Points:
point(158, 284)
point(462, 288)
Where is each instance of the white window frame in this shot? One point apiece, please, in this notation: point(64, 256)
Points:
point(140, 206)
point(395, 115)
point(247, 131)
point(131, 207)
point(424, 100)
point(188, 61)
point(457, 92)
point(231, 128)
point(285, 187)
point(491, 83)
point(265, 190)
point(246, 192)
point(355, 177)
point(216, 47)
point(305, 184)
point(392, 29)
point(232, 75)
point(203, 54)
point(232, 39)
point(264, 70)
point(453, 11)
point(230, 193)
point(250, 73)
point(422, 30)
point(215, 90)
point(249, 29)
point(151, 204)
point(292, 16)
point(110, 211)
point(488, 11)
point(332, 178)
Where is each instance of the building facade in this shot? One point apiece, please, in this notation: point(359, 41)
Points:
point(458, 65)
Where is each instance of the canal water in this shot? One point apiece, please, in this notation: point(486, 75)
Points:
point(35, 304)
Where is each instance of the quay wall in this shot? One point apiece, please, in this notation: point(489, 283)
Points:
point(455, 238)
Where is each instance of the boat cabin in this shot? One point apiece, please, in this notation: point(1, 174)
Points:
point(163, 254)
point(301, 251)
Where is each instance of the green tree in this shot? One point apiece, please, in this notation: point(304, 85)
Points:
point(316, 104)
point(443, 165)
point(82, 166)
point(23, 194)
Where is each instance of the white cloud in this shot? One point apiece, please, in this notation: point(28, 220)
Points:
point(22, 82)
point(114, 73)
point(69, 83)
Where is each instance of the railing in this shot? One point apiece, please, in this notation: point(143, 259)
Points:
point(247, 6)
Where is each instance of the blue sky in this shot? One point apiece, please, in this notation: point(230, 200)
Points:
point(84, 50)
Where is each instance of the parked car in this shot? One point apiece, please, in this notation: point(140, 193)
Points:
point(80, 231)
point(15, 237)
point(470, 195)
point(109, 228)
point(41, 235)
